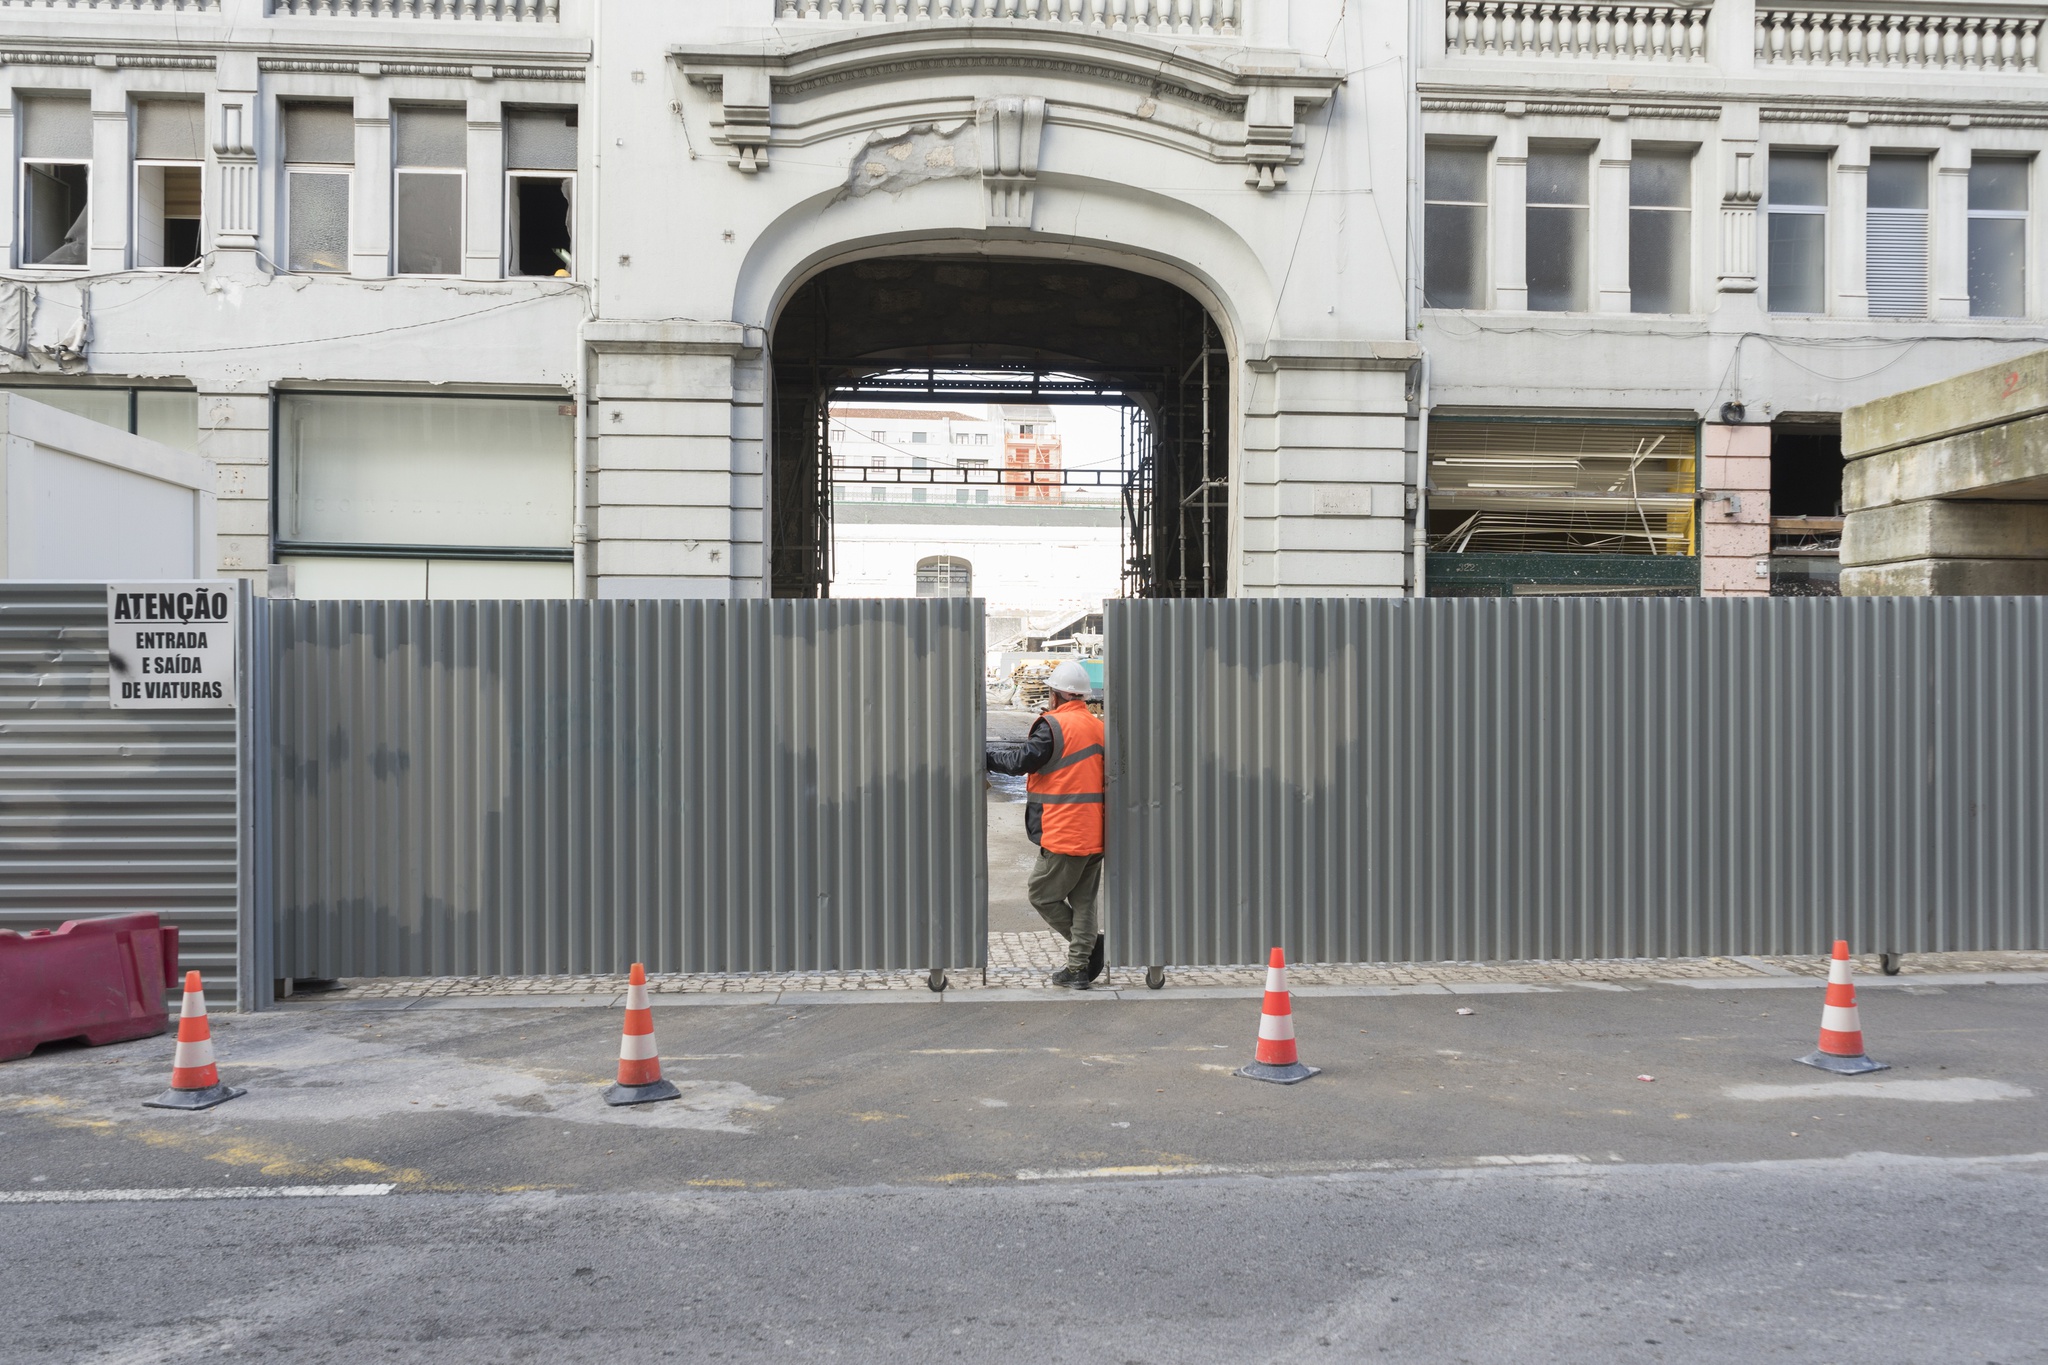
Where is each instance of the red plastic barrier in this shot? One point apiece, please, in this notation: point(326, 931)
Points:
point(102, 980)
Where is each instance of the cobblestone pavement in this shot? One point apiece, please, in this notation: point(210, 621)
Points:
point(1025, 960)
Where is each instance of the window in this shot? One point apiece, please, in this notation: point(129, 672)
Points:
point(1558, 215)
point(167, 415)
point(56, 180)
point(320, 158)
point(945, 576)
point(1796, 260)
point(960, 495)
point(1660, 232)
point(170, 158)
point(540, 192)
point(1895, 237)
point(1454, 227)
point(1998, 237)
point(374, 473)
point(1024, 428)
point(878, 494)
point(881, 437)
point(917, 438)
point(433, 146)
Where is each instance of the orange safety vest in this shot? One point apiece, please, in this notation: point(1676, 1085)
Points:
point(1069, 790)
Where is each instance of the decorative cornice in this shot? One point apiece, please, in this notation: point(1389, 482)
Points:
point(118, 59)
point(463, 72)
point(1575, 108)
point(1943, 117)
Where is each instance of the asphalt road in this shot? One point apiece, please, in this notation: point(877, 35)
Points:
point(1078, 1180)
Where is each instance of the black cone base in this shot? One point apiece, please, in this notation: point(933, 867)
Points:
point(194, 1099)
point(1291, 1074)
point(1844, 1066)
point(663, 1089)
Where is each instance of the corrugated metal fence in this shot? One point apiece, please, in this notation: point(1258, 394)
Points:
point(477, 788)
point(106, 812)
point(1575, 778)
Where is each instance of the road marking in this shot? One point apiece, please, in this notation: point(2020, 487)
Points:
point(221, 1192)
point(1954, 1090)
point(1539, 1159)
point(1117, 1172)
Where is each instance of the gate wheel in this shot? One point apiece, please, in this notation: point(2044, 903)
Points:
point(936, 979)
point(1889, 962)
point(1155, 977)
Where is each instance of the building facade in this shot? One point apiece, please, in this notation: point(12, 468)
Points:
point(543, 297)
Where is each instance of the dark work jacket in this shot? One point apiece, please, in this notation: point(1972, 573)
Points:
point(1018, 757)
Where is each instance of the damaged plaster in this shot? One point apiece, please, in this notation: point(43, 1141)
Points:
point(896, 159)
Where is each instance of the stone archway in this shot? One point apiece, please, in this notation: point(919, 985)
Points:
point(1015, 328)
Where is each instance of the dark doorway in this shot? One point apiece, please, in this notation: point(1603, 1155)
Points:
point(976, 329)
point(1806, 508)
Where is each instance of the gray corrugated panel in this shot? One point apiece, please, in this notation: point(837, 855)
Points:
point(555, 787)
point(106, 812)
point(1575, 778)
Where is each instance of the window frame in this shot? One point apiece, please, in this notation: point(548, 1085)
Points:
point(21, 211)
point(2023, 216)
point(136, 166)
point(505, 249)
point(1583, 291)
point(1824, 211)
point(1688, 263)
point(461, 178)
point(280, 546)
point(1482, 268)
point(1874, 214)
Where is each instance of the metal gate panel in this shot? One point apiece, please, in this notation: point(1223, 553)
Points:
point(487, 788)
point(104, 811)
point(1452, 780)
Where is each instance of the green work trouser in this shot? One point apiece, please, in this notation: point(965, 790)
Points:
point(1062, 891)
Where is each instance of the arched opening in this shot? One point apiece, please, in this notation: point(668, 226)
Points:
point(1015, 333)
point(944, 576)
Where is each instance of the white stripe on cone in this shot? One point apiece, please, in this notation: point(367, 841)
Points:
point(636, 997)
point(1276, 978)
point(193, 1006)
point(1839, 1019)
point(1276, 1028)
point(1838, 971)
point(636, 1047)
point(193, 1054)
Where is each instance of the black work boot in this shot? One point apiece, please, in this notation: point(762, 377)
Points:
point(1067, 979)
point(1095, 961)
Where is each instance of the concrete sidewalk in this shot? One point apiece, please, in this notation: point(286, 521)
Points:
point(1020, 963)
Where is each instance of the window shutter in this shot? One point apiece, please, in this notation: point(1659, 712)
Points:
point(1895, 263)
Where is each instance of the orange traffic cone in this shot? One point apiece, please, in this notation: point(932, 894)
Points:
point(195, 1080)
point(1841, 1032)
point(1275, 1060)
point(640, 1079)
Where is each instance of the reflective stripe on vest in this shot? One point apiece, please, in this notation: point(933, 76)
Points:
point(1069, 789)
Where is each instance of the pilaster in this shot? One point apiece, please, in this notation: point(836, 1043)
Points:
point(1948, 227)
point(1849, 223)
point(234, 207)
point(234, 433)
point(1735, 510)
point(369, 233)
point(483, 255)
point(1610, 216)
point(1509, 212)
point(107, 234)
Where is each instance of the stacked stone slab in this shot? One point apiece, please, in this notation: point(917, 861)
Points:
point(1945, 490)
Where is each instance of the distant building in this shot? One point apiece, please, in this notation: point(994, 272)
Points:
point(1031, 445)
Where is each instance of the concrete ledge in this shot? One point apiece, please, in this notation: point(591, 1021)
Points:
point(1945, 528)
point(1997, 393)
point(2007, 460)
point(1949, 578)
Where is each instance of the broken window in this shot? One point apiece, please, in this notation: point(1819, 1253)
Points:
point(540, 192)
point(170, 159)
point(1798, 211)
point(56, 181)
point(320, 158)
point(1998, 237)
point(1607, 488)
point(378, 473)
point(1659, 231)
point(1558, 219)
point(1895, 237)
point(1454, 227)
point(433, 147)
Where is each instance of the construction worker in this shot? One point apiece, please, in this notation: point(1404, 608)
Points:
point(1062, 758)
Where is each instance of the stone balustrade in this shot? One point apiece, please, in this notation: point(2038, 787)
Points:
point(119, 6)
point(1942, 42)
point(505, 11)
point(1528, 29)
point(1180, 18)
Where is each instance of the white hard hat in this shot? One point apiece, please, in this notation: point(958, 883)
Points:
point(1071, 678)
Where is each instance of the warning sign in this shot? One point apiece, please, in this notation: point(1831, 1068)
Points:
point(171, 644)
